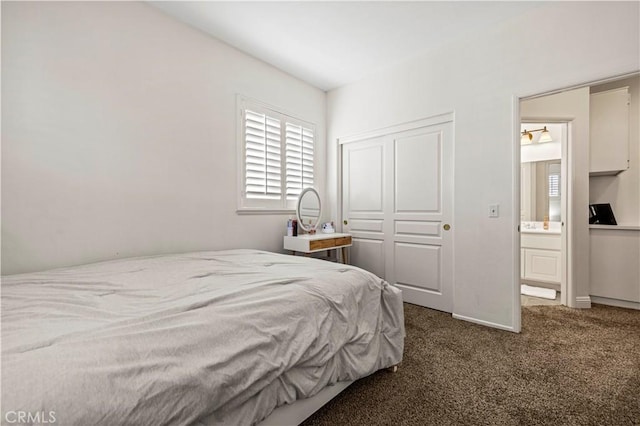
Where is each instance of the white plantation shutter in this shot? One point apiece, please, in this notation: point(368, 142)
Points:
point(554, 185)
point(275, 158)
point(263, 173)
point(299, 159)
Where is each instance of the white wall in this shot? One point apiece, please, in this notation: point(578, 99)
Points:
point(623, 190)
point(478, 78)
point(119, 135)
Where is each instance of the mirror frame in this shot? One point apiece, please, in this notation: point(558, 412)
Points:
point(301, 224)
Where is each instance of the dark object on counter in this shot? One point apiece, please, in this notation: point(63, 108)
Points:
point(295, 228)
point(601, 214)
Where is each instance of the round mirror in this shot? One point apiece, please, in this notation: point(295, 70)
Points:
point(309, 209)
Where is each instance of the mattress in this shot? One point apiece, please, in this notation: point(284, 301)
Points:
point(198, 338)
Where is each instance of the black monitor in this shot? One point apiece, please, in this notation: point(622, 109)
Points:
point(601, 214)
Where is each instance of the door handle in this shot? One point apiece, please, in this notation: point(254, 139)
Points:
point(346, 222)
point(446, 226)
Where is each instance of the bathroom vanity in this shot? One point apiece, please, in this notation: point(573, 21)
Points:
point(540, 254)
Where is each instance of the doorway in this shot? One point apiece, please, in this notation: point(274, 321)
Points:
point(570, 105)
point(543, 211)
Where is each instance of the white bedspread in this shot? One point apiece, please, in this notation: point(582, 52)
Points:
point(206, 338)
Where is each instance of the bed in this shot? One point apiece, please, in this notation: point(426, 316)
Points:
point(205, 338)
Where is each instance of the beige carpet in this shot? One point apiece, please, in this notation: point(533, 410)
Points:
point(567, 367)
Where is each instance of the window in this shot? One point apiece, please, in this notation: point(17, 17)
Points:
point(554, 185)
point(553, 173)
point(276, 158)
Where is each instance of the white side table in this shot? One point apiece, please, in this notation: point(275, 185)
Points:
point(307, 243)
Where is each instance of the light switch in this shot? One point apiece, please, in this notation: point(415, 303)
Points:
point(494, 210)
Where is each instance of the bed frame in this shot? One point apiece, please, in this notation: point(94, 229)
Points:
point(296, 413)
point(300, 410)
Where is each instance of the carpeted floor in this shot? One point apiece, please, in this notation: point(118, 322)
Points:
point(567, 367)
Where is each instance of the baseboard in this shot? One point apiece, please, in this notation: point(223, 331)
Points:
point(486, 323)
point(583, 302)
point(616, 302)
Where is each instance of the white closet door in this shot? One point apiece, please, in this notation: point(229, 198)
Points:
point(397, 201)
point(363, 181)
point(420, 210)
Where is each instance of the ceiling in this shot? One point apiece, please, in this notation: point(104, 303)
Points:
point(330, 44)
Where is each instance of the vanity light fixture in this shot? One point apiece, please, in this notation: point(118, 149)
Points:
point(545, 136)
point(527, 136)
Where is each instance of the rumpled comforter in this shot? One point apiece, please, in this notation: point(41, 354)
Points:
point(198, 338)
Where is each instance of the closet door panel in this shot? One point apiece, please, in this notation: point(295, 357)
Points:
point(417, 173)
point(418, 266)
point(363, 202)
point(365, 179)
point(422, 246)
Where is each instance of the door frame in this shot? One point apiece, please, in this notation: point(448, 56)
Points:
point(568, 290)
point(565, 202)
point(515, 120)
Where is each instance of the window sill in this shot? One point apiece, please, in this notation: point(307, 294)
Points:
point(250, 211)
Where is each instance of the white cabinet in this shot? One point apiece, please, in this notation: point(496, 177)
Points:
point(614, 265)
point(609, 132)
point(540, 258)
point(542, 265)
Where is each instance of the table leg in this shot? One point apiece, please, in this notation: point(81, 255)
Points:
point(345, 259)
